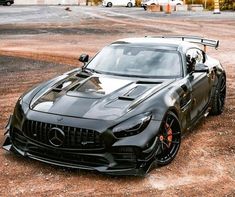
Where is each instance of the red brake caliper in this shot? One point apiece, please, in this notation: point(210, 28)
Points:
point(169, 134)
point(168, 137)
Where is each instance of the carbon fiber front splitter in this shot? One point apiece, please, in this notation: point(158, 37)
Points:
point(105, 169)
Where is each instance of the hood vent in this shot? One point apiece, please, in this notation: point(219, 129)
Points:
point(134, 93)
point(80, 75)
point(148, 82)
point(97, 87)
point(61, 86)
point(127, 98)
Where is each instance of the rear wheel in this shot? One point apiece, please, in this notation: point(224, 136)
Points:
point(219, 97)
point(129, 5)
point(169, 139)
point(109, 4)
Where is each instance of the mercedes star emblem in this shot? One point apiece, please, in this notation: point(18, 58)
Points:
point(56, 136)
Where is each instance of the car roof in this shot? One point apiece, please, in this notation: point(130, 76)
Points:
point(171, 43)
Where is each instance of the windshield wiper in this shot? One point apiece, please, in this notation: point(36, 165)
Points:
point(89, 70)
point(127, 75)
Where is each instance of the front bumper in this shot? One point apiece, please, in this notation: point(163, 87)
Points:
point(101, 162)
point(122, 157)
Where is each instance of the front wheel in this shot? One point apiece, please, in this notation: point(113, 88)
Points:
point(169, 139)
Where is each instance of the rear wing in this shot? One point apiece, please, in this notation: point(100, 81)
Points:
point(195, 39)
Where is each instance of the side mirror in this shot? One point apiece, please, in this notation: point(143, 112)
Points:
point(193, 57)
point(201, 68)
point(191, 62)
point(84, 58)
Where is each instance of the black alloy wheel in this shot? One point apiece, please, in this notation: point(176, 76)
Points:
point(218, 100)
point(169, 139)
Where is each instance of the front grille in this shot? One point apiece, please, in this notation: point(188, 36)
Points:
point(75, 138)
point(69, 157)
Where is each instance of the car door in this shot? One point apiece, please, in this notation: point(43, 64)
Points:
point(121, 2)
point(200, 83)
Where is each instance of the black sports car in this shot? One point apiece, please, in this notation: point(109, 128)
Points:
point(124, 110)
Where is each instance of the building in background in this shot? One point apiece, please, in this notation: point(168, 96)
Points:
point(50, 2)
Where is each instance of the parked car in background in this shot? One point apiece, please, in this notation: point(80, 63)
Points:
point(6, 2)
point(127, 3)
point(146, 3)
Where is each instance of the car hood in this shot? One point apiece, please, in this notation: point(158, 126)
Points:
point(95, 97)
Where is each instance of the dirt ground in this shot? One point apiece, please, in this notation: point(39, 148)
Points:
point(36, 51)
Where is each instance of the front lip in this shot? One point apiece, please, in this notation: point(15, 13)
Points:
point(102, 169)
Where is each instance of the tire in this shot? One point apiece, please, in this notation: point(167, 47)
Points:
point(218, 100)
point(8, 3)
point(109, 4)
point(129, 5)
point(169, 139)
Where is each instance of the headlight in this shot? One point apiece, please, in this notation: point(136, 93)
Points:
point(132, 126)
point(18, 111)
point(20, 108)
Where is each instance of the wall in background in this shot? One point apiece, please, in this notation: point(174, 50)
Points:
point(49, 2)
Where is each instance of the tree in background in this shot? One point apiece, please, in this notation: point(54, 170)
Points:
point(228, 5)
point(209, 4)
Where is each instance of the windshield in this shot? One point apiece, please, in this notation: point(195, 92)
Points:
point(139, 61)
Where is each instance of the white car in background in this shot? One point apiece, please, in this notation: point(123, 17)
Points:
point(127, 3)
point(146, 3)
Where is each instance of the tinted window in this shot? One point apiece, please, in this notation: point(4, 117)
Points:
point(137, 61)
